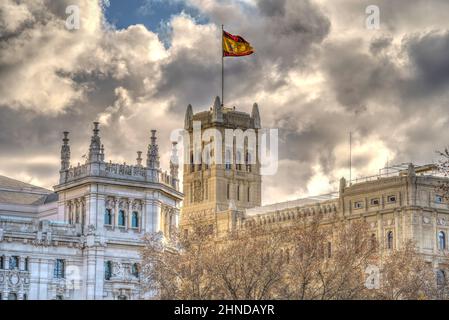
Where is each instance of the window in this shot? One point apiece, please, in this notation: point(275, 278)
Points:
point(442, 240)
point(135, 220)
point(228, 191)
point(107, 270)
point(358, 204)
point(26, 266)
point(12, 296)
point(121, 218)
point(390, 240)
point(239, 160)
point(25, 296)
point(135, 270)
point(441, 278)
point(391, 199)
point(228, 160)
point(438, 199)
point(2, 263)
point(248, 161)
point(192, 164)
point(108, 217)
point(13, 262)
point(248, 194)
point(329, 249)
point(59, 269)
point(59, 297)
point(238, 193)
point(375, 202)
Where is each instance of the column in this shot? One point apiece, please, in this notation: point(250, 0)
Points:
point(116, 202)
point(130, 213)
point(21, 263)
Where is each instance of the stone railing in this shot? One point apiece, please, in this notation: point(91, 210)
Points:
point(120, 171)
point(125, 170)
point(291, 210)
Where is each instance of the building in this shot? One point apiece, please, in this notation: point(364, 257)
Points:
point(400, 204)
point(82, 241)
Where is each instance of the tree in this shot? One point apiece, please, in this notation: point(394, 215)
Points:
point(312, 258)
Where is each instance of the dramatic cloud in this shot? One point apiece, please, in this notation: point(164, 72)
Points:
point(317, 74)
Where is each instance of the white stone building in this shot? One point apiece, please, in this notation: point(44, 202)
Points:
point(82, 241)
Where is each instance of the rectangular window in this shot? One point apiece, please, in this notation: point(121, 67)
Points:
point(228, 191)
point(14, 262)
point(438, 199)
point(107, 270)
point(391, 199)
point(2, 264)
point(358, 204)
point(59, 269)
point(375, 202)
point(26, 266)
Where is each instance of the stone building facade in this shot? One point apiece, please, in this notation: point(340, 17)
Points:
point(399, 205)
point(83, 240)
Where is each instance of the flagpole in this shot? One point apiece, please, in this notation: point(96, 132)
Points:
point(222, 67)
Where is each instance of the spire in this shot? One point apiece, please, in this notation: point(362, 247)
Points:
point(95, 152)
point(65, 152)
point(189, 117)
point(217, 112)
point(256, 116)
point(174, 161)
point(153, 152)
point(139, 158)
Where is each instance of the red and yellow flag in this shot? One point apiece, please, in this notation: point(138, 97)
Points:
point(235, 46)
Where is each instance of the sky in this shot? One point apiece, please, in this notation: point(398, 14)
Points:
point(318, 73)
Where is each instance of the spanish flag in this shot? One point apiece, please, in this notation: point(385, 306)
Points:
point(235, 46)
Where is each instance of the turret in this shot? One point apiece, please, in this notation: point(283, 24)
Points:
point(139, 158)
point(174, 165)
point(153, 165)
point(189, 118)
point(217, 112)
point(95, 150)
point(65, 152)
point(256, 116)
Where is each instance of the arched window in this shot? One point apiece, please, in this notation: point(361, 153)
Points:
point(390, 240)
point(135, 220)
point(135, 270)
point(239, 160)
point(13, 262)
point(228, 160)
point(108, 217)
point(441, 277)
point(107, 270)
point(192, 163)
point(121, 218)
point(442, 240)
point(248, 161)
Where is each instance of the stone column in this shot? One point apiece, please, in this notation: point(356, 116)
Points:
point(130, 211)
point(21, 263)
point(116, 202)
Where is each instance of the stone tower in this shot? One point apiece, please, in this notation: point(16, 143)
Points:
point(221, 185)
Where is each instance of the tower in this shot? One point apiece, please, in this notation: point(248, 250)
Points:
point(222, 178)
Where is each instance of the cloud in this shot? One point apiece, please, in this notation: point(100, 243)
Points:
point(317, 74)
